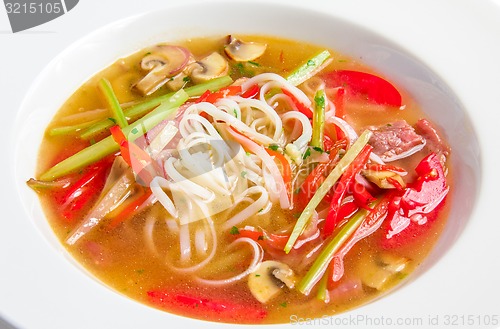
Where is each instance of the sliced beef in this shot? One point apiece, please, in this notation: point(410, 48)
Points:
point(434, 142)
point(395, 140)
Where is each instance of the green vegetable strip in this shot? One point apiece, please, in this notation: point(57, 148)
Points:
point(323, 289)
point(66, 130)
point(302, 73)
point(321, 263)
point(113, 103)
point(107, 146)
point(318, 119)
point(142, 108)
point(326, 186)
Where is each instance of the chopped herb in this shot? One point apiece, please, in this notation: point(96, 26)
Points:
point(253, 63)
point(310, 63)
point(243, 173)
point(273, 147)
point(257, 275)
point(112, 120)
point(284, 304)
point(248, 153)
point(234, 230)
point(342, 60)
point(235, 113)
point(307, 153)
point(140, 271)
point(320, 101)
point(389, 125)
point(261, 209)
point(318, 149)
point(186, 79)
point(297, 191)
point(134, 131)
point(296, 215)
point(148, 53)
point(92, 141)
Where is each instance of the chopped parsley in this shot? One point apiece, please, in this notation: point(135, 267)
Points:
point(244, 173)
point(254, 63)
point(273, 147)
point(318, 149)
point(234, 230)
point(186, 79)
point(320, 101)
point(284, 304)
point(134, 131)
point(307, 153)
point(310, 63)
point(112, 120)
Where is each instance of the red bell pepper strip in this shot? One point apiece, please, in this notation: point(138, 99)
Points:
point(371, 223)
point(181, 302)
point(342, 188)
point(80, 193)
point(301, 107)
point(130, 209)
point(222, 93)
point(285, 168)
point(362, 197)
point(251, 92)
point(265, 239)
point(413, 209)
point(139, 160)
point(314, 180)
point(374, 88)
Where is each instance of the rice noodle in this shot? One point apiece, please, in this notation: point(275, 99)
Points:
point(258, 254)
point(251, 210)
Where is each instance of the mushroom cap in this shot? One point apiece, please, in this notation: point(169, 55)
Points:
point(242, 51)
point(210, 67)
point(268, 280)
point(162, 62)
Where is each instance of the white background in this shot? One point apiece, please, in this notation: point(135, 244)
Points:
point(465, 48)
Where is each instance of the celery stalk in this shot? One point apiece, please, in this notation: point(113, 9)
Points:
point(113, 103)
point(107, 146)
point(66, 130)
point(305, 71)
point(326, 186)
point(321, 263)
point(142, 108)
point(318, 119)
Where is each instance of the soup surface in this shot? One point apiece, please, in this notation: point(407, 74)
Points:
point(244, 179)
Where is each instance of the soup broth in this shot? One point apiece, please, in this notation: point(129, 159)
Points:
point(285, 256)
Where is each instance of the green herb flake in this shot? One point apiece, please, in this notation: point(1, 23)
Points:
point(284, 304)
point(235, 113)
point(248, 153)
point(318, 149)
point(186, 79)
point(320, 101)
point(261, 209)
point(243, 173)
point(310, 63)
point(112, 120)
point(254, 63)
point(307, 153)
point(134, 131)
point(297, 191)
point(234, 230)
point(257, 275)
point(273, 147)
point(140, 271)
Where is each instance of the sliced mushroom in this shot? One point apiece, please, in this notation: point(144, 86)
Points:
point(384, 178)
point(163, 62)
point(377, 271)
point(210, 67)
point(269, 279)
point(242, 51)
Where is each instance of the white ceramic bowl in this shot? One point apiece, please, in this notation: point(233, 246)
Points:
point(78, 301)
